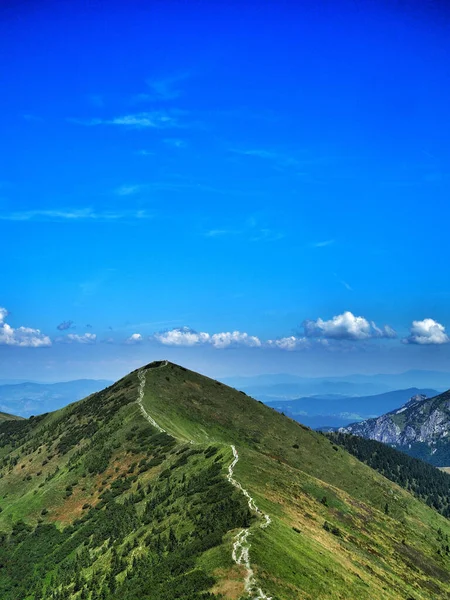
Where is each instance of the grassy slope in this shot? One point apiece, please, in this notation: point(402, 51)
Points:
point(290, 469)
point(8, 417)
point(295, 474)
point(63, 468)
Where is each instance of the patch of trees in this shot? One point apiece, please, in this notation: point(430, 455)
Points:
point(142, 540)
point(420, 478)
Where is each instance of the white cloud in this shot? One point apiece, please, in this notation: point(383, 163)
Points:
point(21, 336)
point(74, 338)
point(427, 331)
point(184, 336)
point(289, 343)
point(347, 326)
point(235, 338)
point(134, 338)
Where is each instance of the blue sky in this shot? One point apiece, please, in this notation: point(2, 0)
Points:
point(172, 172)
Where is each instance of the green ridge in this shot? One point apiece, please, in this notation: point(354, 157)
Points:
point(97, 504)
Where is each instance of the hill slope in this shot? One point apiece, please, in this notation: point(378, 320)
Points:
point(233, 500)
point(425, 481)
point(8, 417)
point(421, 428)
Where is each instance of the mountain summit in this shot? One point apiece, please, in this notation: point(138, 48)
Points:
point(171, 485)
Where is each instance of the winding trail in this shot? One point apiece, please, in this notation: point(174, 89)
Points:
point(241, 544)
point(141, 375)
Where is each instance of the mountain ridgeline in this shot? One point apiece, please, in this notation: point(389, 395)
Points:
point(421, 428)
point(170, 485)
point(335, 410)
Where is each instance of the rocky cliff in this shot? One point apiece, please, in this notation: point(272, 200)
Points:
point(421, 428)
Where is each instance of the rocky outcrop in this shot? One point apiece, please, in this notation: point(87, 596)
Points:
point(421, 421)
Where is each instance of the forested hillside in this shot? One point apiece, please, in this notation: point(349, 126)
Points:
point(425, 481)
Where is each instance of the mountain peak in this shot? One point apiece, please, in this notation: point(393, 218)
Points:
point(421, 428)
point(169, 484)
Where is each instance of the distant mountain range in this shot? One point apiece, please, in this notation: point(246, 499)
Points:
point(421, 428)
point(285, 386)
point(28, 398)
point(336, 410)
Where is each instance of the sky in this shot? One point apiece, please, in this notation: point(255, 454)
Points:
point(241, 187)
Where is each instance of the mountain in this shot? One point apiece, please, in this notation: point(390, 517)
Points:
point(286, 386)
point(335, 410)
point(312, 387)
point(30, 398)
point(170, 485)
point(420, 428)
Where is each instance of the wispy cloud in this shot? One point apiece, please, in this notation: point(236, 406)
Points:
point(222, 232)
point(251, 230)
point(175, 143)
point(323, 244)
point(143, 120)
point(75, 215)
point(266, 235)
point(346, 285)
point(128, 190)
point(279, 159)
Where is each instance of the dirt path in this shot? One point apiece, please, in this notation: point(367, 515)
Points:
point(141, 375)
point(241, 544)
